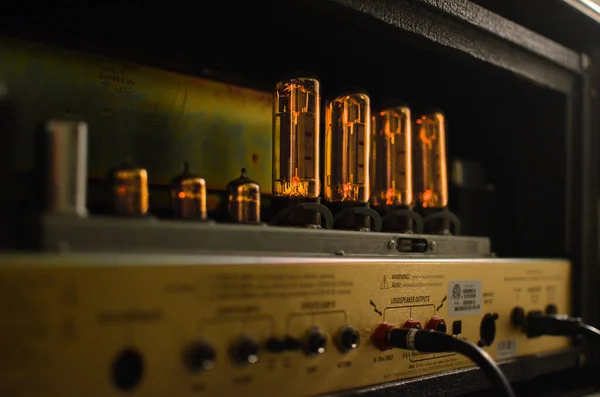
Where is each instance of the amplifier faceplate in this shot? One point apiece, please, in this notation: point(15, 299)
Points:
point(81, 324)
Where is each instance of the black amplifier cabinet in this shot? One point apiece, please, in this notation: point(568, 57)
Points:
point(167, 83)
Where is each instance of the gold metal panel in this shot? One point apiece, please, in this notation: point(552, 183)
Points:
point(64, 318)
point(158, 118)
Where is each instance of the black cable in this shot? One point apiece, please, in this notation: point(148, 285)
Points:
point(538, 324)
point(428, 341)
point(588, 330)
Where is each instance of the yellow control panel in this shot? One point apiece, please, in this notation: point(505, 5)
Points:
point(173, 325)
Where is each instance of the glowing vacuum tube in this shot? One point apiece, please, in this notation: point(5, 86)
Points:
point(130, 190)
point(296, 125)
point(243, 199)
point(391, 169)
point(347, 157)
point(391, 148)
point(431, 175)
point(188, 195)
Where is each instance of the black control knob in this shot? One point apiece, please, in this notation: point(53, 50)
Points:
point(517, 316)
point(292, 343)
point(487, 329)
point(128, 369)
point(275, 345)
point(315, 341)
point(551, 309)
point(199, 356)
point(245, 351)
point(348, 338)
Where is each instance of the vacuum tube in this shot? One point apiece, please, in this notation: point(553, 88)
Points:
point(296, 136)
point(347, 157)
point(243, 199)
point(188, 195)
point(431, 174)
point(391, 169)
point(130, 190)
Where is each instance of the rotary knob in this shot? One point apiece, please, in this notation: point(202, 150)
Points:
point(316, 342)
point(245, 351)
point(199, 356)
point(487, 329)
point(551, 309)
point(348, 338)
point(517, 316)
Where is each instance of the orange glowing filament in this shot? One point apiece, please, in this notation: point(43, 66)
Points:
point(296, 125)
point(431, 183)
point(390, 196)
point(427, 195)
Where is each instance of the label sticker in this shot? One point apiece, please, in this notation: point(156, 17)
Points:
point(464, 298)
point(507, 349)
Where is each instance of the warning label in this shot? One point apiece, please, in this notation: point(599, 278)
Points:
point(244, 286)
point(464, 298)
point(384, 283)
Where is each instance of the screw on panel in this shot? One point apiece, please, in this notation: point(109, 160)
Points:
point(432, 245)
point(392, 244)
point(340, 252)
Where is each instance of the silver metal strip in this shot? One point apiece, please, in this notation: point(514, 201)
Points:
point(64, 233)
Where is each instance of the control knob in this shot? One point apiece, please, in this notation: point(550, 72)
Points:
point(245, 351)
point(517, 316)
point(315, 342)
point(487, 329)
point(348, 338)
point(199, 356)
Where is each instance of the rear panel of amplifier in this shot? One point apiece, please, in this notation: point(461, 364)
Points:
point(100, 324)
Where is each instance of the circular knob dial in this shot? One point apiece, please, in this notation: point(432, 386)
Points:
point(517, 316)
point(199, 356)
point(487, 329)
point(245, 351)
point(551, 309)
point(348, 338)
point(316, 341)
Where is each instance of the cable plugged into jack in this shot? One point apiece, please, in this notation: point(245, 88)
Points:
point(536, 324)
point(387, 337)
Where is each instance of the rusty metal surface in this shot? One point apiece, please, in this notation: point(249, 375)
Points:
point(156, 117)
